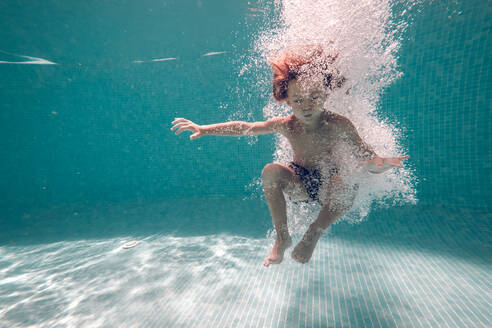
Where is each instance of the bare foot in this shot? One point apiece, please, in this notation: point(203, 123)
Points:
point(277, 254)
point(304, 249)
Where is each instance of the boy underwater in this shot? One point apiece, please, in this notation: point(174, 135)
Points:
point(303, 77)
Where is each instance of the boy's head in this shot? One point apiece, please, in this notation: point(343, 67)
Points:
point(308, 63)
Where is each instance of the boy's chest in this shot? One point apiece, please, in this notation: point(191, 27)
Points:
point(314, 143)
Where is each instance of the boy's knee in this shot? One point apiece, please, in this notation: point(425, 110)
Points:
point(339, 204)
point(272, 173)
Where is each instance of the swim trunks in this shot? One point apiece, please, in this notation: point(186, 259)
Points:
point(311, 179)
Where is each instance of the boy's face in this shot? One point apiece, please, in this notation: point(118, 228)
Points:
point(306, 99)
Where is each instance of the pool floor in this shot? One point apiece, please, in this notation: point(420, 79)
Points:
point(219, 281)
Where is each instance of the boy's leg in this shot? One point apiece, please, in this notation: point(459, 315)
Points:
point(338, 204)
point(276, 178)
point(304, 249)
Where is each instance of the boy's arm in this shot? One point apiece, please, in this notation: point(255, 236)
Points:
point(235, 129)
point(372, 161)
point(365, 151)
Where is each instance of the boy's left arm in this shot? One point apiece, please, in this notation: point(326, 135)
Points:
point(373, 162)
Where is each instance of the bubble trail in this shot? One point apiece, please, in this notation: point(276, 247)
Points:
point(365, 35)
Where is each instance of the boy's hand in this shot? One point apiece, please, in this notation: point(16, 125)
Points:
point(186, 125)
point(380, 164)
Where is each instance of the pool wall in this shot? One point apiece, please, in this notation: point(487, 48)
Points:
point(85, 142)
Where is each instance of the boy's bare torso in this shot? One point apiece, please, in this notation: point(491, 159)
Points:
point(312, 147)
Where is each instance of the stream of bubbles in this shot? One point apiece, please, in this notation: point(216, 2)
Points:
point(367, 36)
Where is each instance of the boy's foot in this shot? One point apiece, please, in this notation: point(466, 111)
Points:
point(277, 254)
point(304, 250)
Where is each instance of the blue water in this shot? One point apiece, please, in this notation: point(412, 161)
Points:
point(88, 164)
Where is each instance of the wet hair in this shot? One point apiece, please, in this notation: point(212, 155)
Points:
point(304, 61)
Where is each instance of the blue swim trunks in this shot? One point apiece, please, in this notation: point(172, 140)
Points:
point(311, 179)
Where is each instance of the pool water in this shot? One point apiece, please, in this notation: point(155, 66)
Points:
point(88, 164)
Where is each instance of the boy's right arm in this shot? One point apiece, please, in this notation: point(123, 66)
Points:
point(235, 129)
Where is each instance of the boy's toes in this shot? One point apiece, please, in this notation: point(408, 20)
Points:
point(297, 257)
point(269, 261)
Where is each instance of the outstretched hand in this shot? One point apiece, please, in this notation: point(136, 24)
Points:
point(182, 124)
point(380, 164)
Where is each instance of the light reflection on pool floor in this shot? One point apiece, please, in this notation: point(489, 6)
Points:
point(219, 281)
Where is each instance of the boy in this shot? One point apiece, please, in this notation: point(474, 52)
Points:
point(303, 78)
